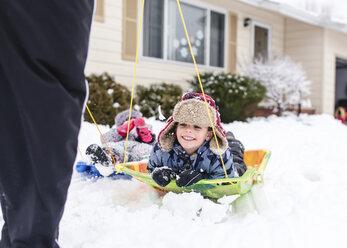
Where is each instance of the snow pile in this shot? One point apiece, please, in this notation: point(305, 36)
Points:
point(302, 203)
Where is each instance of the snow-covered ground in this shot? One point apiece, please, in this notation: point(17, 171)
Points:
point(303, 201)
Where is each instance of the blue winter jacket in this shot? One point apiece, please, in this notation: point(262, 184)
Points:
point(203, 160)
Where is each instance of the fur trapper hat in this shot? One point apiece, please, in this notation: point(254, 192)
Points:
point(191, 110)
point(124, 116)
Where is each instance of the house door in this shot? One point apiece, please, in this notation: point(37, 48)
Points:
point(261, 34)
point(341, 83)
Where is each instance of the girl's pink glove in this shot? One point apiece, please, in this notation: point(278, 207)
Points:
point(142, 130)
point(122, 129)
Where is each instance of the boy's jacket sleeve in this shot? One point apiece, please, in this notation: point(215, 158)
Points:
point(155, 158)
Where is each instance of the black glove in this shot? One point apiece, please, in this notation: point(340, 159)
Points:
point(162, 176)
point(189, 177)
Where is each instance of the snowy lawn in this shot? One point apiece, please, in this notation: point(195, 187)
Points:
point(303, 201)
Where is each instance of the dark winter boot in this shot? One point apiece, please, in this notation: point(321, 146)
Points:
point(237, 149)
point(229, 135)
point(100, 159)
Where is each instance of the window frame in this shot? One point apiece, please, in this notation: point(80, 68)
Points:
point(265, 26)
point(206, 7)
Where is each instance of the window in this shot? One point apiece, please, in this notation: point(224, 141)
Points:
point(165, 38)
point(261, 41)
point(153, 28)
point(217, 39)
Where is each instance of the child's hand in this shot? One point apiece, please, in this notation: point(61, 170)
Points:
point(189, 177)
point(123, 129)
point(162, 176)
point(143, 131)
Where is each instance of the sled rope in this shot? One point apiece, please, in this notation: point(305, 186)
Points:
point(102, 136)
point(202, 89)
point(131, 103)
point(79, 150)
point(132, 89)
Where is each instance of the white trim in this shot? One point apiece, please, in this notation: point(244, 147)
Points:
point(204, 5)
point(180, 63)
point(262, 25)
point(166, 19)
point(139, 5)
point(208, 8)
point(208, 37)
point(298, 14)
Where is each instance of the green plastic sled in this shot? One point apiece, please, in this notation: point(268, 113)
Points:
point(256, 161)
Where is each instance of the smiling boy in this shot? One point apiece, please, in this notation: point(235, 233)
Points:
point(186, 149)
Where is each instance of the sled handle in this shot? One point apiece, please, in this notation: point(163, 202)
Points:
point(258, 176)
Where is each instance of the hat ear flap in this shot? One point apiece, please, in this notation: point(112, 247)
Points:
point(167, 137)
point(222, 142)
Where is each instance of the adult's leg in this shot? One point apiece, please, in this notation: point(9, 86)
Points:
point(4, 236)
point(43, 49)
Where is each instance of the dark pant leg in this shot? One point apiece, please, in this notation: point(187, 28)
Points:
point(4, 236)
point(43, 50)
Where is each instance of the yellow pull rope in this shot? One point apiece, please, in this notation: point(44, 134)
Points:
point(202, 90)
point(132, 90)
point(78, 148)
point(90, 113)
point(131, 102)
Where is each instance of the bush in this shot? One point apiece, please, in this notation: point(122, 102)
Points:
point(106, 99)
point(164, 95)
point(236, 96)
point(285, 81)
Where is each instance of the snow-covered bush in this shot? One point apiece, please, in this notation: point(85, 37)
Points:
point(164, 95)
point(285, 81)
point(236, 96)
point(106, 99)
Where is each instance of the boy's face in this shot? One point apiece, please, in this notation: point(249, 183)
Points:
point(191, 137)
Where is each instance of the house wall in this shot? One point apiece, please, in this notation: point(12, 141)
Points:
point(335, 46)
point(106, 43)
point(274, 20)
point(106, 55)
point(305, 43)
point(315, 47)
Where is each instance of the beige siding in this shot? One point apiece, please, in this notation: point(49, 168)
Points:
point(105, 43)
point(106, 46)
point(274, 20)
point(335, 46)
point(304, 43)
point(106, 50)
point(232, 43)
point(99, 14)
point(315, 47)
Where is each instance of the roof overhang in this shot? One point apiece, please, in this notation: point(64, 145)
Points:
point(298, 14)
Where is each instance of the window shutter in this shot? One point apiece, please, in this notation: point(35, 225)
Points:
point(129, 29)
point(232, 43)
point(99, 11)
